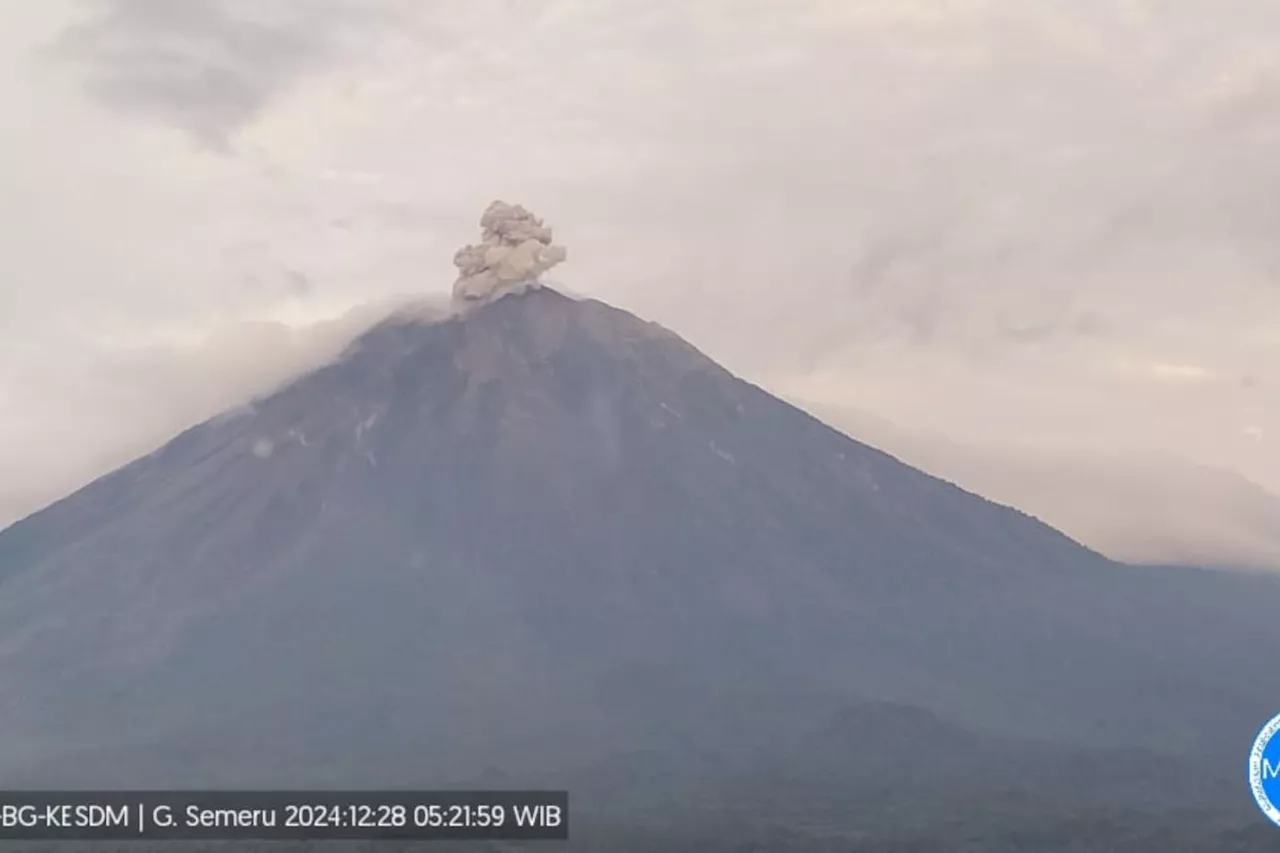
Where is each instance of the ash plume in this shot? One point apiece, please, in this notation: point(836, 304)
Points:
point(514, 251)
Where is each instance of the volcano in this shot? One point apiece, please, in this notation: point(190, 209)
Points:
point(540, 535)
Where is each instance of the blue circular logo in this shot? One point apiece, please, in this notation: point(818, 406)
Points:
point(1264, 770)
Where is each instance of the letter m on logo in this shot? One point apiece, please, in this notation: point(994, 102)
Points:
point(1269, 770)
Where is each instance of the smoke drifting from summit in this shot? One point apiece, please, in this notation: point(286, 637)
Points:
point(515, 250)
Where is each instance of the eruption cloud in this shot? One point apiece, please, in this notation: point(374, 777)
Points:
point(514, 251)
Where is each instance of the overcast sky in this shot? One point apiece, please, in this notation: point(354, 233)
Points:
point(1048, 223)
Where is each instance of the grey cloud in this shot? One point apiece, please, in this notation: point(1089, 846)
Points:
point(515, 250)
point(208, 66)
point(921, 283)
point(1066, 324)
point(298, 284)
point(115, 405)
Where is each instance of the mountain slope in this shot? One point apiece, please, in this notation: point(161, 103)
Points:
point(1135, 508)
point(544, 531)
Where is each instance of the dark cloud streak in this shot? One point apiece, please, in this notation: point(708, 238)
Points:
point(209, 66)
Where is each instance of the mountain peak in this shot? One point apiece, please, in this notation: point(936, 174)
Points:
point(543, 516)
point(513, 330)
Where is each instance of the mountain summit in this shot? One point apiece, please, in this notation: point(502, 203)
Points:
point(541, 532)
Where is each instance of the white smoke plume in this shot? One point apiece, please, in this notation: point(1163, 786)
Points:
point(515, 250)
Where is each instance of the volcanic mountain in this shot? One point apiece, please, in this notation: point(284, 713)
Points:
point(539, 534)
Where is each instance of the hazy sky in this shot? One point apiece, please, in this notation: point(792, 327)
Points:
point(1044, 223)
